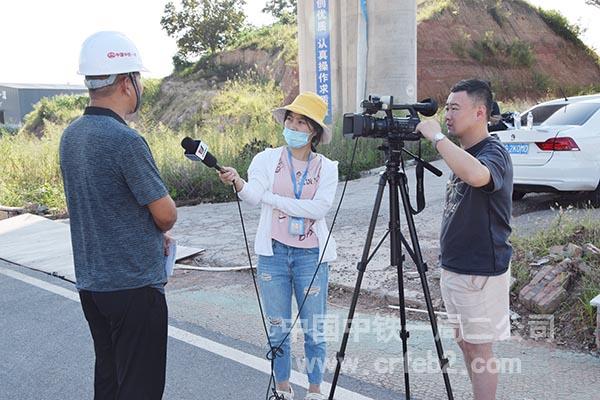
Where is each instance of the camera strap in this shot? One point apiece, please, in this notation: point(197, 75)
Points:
point(419, 173)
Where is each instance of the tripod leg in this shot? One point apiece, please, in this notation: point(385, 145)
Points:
point(397, 259)
point(421, 268)
point(361, 266)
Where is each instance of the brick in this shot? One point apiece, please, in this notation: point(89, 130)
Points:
point(573, 251)
point(547, 289)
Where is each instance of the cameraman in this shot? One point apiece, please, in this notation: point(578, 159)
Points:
point(475, 252)
point(496, 121)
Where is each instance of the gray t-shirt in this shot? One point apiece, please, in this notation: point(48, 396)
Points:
point(476, 222)
point(110, 177)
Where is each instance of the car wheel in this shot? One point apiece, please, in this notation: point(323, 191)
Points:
point(595, 196)
point(517, 195)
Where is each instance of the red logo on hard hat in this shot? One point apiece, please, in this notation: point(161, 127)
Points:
point(112, 54)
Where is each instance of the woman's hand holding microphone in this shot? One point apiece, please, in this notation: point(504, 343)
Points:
point(230, 176)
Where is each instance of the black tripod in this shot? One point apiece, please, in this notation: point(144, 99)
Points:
point(396, 180)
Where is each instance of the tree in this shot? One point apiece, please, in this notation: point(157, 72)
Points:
point(284, 10)
point(593, 3)
point(202, 26)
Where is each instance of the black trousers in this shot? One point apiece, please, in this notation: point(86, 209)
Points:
point(129, 329)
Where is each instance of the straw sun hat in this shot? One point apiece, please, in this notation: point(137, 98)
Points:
point(311, 106)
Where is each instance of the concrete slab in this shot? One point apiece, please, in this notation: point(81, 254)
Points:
point(45, 245)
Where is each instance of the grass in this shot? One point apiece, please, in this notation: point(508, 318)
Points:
point(30, 170)
point(575, 312)
point(490, 50)
point(499, 13)
point(280, 39)
point(568, 31)
point(238, 125)
point(431, 9)
point(56, 110)
point(276, 38)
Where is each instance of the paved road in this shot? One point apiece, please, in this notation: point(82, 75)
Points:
point(216, 348)
point(46, 350)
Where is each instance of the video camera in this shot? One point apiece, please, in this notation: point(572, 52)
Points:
point(388, 127)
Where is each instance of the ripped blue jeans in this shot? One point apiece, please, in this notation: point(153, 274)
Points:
point(290, 270)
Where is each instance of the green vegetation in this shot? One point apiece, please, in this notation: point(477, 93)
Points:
point(276, 38)
point(491, 50)
point(561, 26)
point(431, 9)
point(565, 229)
point(30, 170)
point(237, 126)
point(570, 32)
point(55, 110)
point(284, 10)
point(499, 13)
point(7, 130)
point(202, 26)
point(63, 109)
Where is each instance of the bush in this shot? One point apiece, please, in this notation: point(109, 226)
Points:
point(499, 13)
point(60, 109)
point(6, 130)
point(273, 38)
point(561, 26)
point(30, 169)
point(520, 53)
point(237, 126)
point(490, 50)
point(570, 32)
point(431, 9)
point(575, 312)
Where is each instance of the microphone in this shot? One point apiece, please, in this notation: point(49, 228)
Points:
point(196, 150)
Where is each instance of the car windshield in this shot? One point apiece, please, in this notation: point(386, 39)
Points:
point(572, 114)
point(541, 113)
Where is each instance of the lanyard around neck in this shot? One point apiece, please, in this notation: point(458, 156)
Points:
point(298, 190)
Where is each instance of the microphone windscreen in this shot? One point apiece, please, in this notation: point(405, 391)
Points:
point(189, 144)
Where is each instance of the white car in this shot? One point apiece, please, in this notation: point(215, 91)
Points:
point(561, 153)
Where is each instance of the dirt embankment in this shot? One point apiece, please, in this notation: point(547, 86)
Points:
point(507, 42)
point(489, 39)
point(183, 98)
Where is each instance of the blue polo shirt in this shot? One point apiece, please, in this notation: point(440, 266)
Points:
point(109, 178)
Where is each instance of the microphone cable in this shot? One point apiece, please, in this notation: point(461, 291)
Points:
point(277, 351)
point(270, 355)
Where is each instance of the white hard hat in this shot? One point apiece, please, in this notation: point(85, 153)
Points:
point(109, 53)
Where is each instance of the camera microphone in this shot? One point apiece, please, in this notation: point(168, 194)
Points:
point(196, 150)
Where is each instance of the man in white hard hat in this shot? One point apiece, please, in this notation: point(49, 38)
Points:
point(119, 213)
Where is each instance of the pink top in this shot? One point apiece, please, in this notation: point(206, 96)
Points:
point(283, 186)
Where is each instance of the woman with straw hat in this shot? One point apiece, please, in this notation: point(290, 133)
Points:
point(295, 187)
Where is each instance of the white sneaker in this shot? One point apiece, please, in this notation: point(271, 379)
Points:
point(286, 395)
point(314, 396)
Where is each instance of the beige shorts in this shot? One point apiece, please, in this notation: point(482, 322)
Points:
point(477, 305)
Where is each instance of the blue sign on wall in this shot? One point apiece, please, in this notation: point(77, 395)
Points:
point(323, 54)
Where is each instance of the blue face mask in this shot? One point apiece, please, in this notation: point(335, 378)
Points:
point(295, 139)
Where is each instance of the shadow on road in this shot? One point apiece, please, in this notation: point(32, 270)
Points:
point(533, 202)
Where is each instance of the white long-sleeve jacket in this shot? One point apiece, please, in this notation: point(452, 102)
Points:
point(259, 189)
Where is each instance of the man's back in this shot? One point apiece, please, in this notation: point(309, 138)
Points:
point(110, 177)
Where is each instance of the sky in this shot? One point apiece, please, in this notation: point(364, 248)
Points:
point(40, 39)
